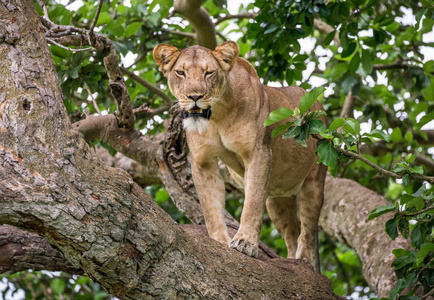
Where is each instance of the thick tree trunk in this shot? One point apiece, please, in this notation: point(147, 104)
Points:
point(105, 224)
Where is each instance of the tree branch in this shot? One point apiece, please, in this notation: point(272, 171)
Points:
point(384, 171)
point(246, 15)
point(63, 35)
point(104, 223)
point(21, 251)
point(348, 108)
point(95, 20)
point(420, 212)
point(326, 28)
point(199, 18)
point(166, 98)
point(344, 216)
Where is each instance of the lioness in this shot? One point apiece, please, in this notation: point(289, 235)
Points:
point(224, 108)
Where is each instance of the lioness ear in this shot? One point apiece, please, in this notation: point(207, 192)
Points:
point(165, 56)
point(226, 55)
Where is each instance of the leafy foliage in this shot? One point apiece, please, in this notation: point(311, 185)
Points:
point(369, 55)
point(40, 285)
point(377, 63)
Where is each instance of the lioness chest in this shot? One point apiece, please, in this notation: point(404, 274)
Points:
point(234, 145)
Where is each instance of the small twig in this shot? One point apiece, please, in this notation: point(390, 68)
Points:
point(166, 99)
point(44, 7)
point(67, 48)
point(139, 58)
point(398, 65)
point(145, 112)
point(420, 212)
point(246, 15)
point(186, 34)
point(222, 36)
point(93, 99)
point(427, 295)
point(381, 170)
point(90, 32)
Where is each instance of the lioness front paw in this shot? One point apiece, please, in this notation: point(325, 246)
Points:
point(245, 247)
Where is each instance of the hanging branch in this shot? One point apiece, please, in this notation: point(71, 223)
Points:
point(384, 171)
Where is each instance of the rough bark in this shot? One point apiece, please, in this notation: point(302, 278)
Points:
point(103, 223)
point(21, 250)
point(345, 217)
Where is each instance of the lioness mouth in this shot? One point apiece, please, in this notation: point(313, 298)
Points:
point(197, 112)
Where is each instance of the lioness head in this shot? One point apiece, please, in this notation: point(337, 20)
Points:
point(197, 78)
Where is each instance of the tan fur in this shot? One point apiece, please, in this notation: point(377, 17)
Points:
point(272, 171)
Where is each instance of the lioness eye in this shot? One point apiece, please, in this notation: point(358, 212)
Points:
point(180, 73)
point(208, 73)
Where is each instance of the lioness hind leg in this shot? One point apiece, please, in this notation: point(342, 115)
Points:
point(283, 214)
point(311, 198)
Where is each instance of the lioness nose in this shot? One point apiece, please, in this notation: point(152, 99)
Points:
point(195, 98)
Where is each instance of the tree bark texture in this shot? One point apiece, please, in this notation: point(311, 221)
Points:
point(21, 250)
point(345, 217)
point(52, 183)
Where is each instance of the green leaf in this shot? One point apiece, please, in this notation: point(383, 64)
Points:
point(162, 196)
point(366, 61)
point(424, 252)
point(316, 126)
point(352, 126)
point(271, 29)
point(405, 198)
point(392, 229)
point(279, 129)
point(396, 135)
point(292, 132)
point(328, 39)
point(73, 72)
point(378, 134)
point(405, 178)
point(408, 136)
point(418, 235)
point(303, 136)
point(132, 28)
point(409, 158)
point(420, 191)
point(316, 114)
point(103, 18)
point(403, 227)
point(336, 124)
point(349, 50)
point(380, 211)
point(399, 168)
point(419, 203)
point(58, 285)
point(416, 169)
point(278, 115)
point(404, 260)
point(121, 8)
point(309, 98)
point(400, 252)
point(354, 63)
point(328, 154)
